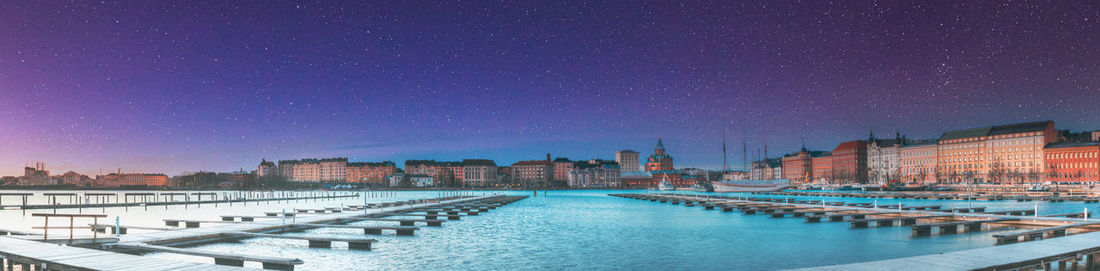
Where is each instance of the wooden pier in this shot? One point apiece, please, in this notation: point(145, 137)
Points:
point(141, 199)
point(45, 256)
point(163, 241)
point(981, 196)
point(924, 220)
point(1077, 252)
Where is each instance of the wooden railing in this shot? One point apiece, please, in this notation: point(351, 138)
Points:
point(72, 224)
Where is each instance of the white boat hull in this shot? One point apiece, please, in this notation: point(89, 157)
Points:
point(750, 186)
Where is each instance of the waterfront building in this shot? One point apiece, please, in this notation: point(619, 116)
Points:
point(998, 154)
point(333, 169)
point(443, 173)
point(450, 174)
point(37, 175)
point(1095, 135)
point(849, 161)
point(9, 180)
point(637, 179)
point(286, 168)
point(421, 180)
point(370, 172)
point(822, 167)
point(266, 168)
point(504, 175)
point(766, 169)
point(131, 180)
point(918, 162)
point(798, 167)
point(314, 170)
point(1072, 162)
point(535, 173)
point(628, 160)
point(479, 172)
point(659, 160)
point(595, 173)
point(883, 158)
point(562, 166)
point(395, 179)
point(421, 167)
point(736, 175)
point(74, 178)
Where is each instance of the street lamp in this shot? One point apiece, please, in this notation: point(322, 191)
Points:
point(969, 193)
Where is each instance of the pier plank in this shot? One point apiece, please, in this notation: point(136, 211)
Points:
point(76, 258)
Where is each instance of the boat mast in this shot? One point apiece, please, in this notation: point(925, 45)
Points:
point(724, 163)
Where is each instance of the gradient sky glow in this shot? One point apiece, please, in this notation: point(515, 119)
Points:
point(150, 86)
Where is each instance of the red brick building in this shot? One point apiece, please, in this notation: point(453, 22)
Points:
point(368, 172)
point(637, 179)
point(534, 173)
point(674, 178)
point(822, 168)
point(850, 162)
point(798, 167)
point(1072, 162)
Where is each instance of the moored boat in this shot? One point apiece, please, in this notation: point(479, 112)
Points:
point(751, 185)
point(665, 185)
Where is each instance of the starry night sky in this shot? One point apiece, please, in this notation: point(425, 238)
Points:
point(152, 86)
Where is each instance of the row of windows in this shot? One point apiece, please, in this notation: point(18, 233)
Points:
point(919, 162)
point(918, 153)
point(1009, 164)
point(972, 139)
point(1072, 165)
point(1072, 155)
point(1074, 175)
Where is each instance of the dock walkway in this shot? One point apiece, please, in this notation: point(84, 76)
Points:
point(1062, 251)
point(46, 256)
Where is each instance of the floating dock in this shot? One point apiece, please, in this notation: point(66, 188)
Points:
point(1066, 252)
point(28, 250)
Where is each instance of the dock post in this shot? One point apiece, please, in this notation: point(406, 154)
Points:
point(229, 262)
point(320, 244)
point(1090, 261)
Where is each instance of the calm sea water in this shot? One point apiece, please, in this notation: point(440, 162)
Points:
point(584, 230)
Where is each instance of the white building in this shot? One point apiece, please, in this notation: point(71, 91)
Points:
point(479, 172)
point(883, 156)
point(595, 173)
point(767, 169)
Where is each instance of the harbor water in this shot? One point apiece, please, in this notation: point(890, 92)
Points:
point(576, 230)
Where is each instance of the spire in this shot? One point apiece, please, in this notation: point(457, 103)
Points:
point(871, 137)
point(660, 145)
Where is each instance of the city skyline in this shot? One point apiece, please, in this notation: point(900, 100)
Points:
point(152, 87)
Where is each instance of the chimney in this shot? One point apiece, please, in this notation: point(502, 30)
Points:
point(547, 157)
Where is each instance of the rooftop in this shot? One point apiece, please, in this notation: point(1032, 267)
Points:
point(1071, 145)
point(1020, 128)
point(967, 133)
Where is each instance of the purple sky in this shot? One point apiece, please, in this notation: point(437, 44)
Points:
point(154, 87)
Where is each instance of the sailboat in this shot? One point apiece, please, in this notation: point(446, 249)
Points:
point(665, 185)
point(749, 185)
